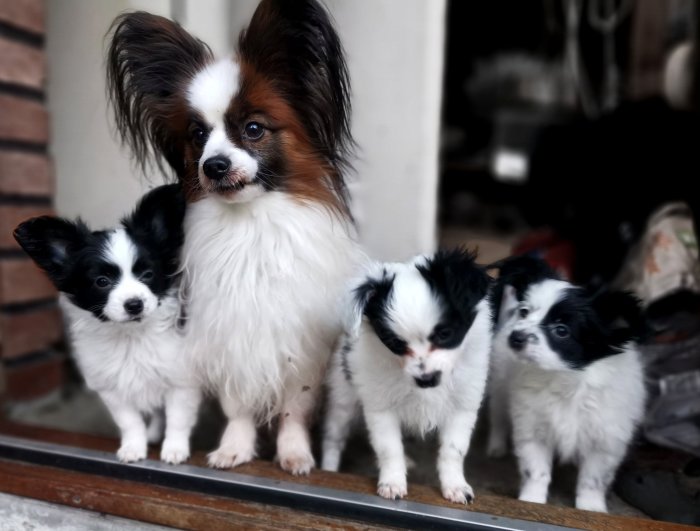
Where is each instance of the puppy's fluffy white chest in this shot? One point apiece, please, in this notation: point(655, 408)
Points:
point(263, 286)
point(137, 361)
point(579, 411)
point(382, 384)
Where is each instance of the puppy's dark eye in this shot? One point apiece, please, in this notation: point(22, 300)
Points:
point(443, 334)
point(102, 282)
point(523, 312)
point(146, 275)
point(561, 331)
point(199, 136)
point(253, 131)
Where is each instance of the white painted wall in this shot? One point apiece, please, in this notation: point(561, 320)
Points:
point(395, 51)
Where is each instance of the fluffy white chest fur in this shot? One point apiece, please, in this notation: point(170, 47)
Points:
point(381, 384)
point(263, 283)
point(577, 413)
point(138, 362)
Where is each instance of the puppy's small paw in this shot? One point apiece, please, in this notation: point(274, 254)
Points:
point(462, 493)
point(175, 452)
point(297, 463)
point(532, 497)
point(228, 457)
point(129, 452)
point(591, 502)
point(392, 491)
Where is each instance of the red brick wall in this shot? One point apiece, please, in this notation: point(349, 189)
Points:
point(30, 322)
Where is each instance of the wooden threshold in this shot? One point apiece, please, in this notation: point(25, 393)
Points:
point(163, 504)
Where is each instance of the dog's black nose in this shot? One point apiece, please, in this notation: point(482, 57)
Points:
point(517, 339)
point(428, 380)
point(216, 167)
point(133, 306)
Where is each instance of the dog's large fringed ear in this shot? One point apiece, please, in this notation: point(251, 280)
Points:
point(621, 317)
point(456, 274)
point(149, 61)
point(293, 44)
point(52, 243)
point(157, 221)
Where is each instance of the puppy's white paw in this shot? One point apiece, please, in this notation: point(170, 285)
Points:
point(230, 456)
point(297, 462)
point(392, 491)
point(174, 451)
point(460, 493)
point(130, 452)
point(592, 501)
point(532, 495)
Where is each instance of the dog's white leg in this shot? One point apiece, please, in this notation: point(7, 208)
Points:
point(134, 443)
point(596, 473)
point(535, 464)
point(342, 407)
point(237, 444)
point(155, 426)
point(293, 440)
point(385, 435)
point(181, 407)
point(455, 436)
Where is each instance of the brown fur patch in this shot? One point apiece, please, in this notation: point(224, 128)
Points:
point(307, 174)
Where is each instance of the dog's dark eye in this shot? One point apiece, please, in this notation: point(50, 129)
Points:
point(253, 131)
point(146, 275)
point(199, 136)
point(523, 312)
point(561, 331)
point(443, 335)
point(102, 282)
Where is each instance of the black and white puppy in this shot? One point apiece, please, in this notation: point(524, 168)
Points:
point(119, 293)
point(415, 355)
point(567, 374)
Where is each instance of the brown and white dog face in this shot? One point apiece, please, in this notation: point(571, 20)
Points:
point(275, 117)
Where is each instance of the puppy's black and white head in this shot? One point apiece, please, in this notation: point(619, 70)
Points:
point(558, 326)
point(118, 275)
point(423, 310)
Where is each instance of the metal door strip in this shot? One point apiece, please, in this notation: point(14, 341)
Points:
point(321, 500)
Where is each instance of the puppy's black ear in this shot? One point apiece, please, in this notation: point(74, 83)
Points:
point(150, 59)
point(454, 275)
point(373, 293)
point(157, 221)
point(620, 314)
point(52, 242)
point(295, 46)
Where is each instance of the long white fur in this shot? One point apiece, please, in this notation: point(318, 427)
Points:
point(587, 417)
point(138, 368)
point(382, 386)
point(263, 281)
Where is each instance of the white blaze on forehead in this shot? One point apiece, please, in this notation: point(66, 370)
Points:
point(212, 89)
point(121, 251)
point(542, 296)
point(414, 309)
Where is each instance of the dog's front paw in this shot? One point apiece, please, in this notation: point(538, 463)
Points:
point(592, 501)
point(392, 491)
point(298, 462)
point(229, 457)
point(461, 493)
point(174, 452)
point(130, 452)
